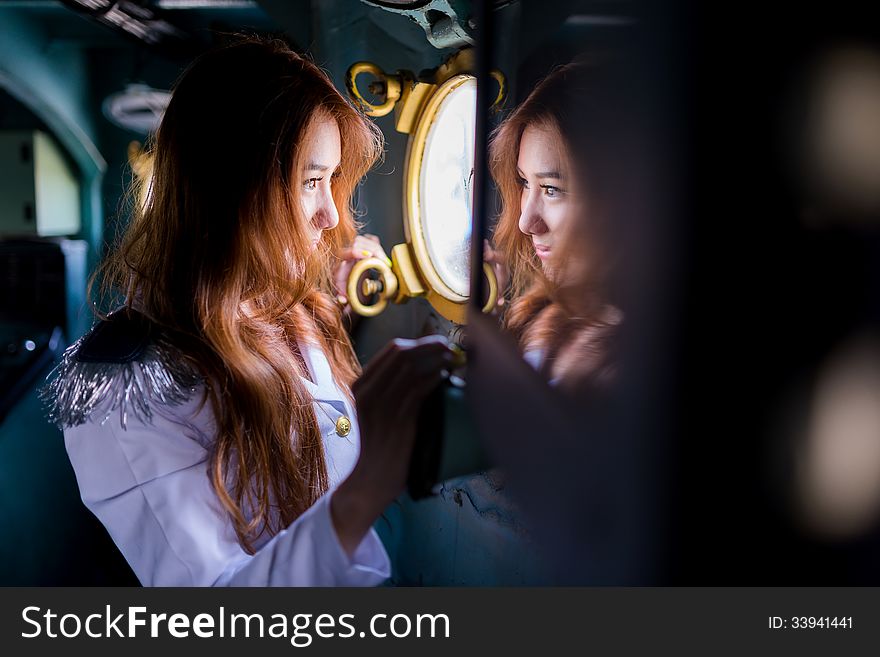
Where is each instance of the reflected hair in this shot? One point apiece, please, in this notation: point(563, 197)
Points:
point(219, 257)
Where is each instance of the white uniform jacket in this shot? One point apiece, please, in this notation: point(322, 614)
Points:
point(146, 479)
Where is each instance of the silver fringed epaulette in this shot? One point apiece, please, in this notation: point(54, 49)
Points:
point(123, 365)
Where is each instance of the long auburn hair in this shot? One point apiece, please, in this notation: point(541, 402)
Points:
point(219, 257)
point(572, 320)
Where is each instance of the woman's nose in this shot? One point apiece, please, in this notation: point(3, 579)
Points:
point(530, 221)
point(327, 216)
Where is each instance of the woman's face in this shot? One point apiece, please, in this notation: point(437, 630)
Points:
point(547, 201)
point(322, 159)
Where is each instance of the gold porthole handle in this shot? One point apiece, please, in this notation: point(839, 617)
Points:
point(385, 85)
point(502, 88)
point(493, 288)
point(385, 286)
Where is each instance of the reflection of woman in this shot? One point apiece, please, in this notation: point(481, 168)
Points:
point(549, 232)
point(210, 421)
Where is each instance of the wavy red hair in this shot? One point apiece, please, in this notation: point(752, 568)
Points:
point(219, 257)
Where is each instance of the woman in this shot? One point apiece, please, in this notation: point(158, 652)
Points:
point(550, 160)
point(210, 422)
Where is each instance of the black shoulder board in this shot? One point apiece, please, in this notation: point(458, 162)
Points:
point(121, 338)
point(123, 365)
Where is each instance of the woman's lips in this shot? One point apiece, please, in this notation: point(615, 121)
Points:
point(542, 251)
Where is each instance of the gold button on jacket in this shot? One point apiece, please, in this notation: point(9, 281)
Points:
point(343, 426)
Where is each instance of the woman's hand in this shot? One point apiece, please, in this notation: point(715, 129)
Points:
point(388, 397)
point(365, 246)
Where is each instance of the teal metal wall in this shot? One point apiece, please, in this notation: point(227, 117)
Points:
point(49, 537)
point(51, 79)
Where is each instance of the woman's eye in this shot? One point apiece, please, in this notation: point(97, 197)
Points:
point(523, 183)
point(311, 184)
point(551, 191)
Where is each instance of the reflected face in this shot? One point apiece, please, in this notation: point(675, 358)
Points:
point(322, 158)
point(546, 202)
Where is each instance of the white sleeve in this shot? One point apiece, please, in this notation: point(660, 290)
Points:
point(148, 484)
